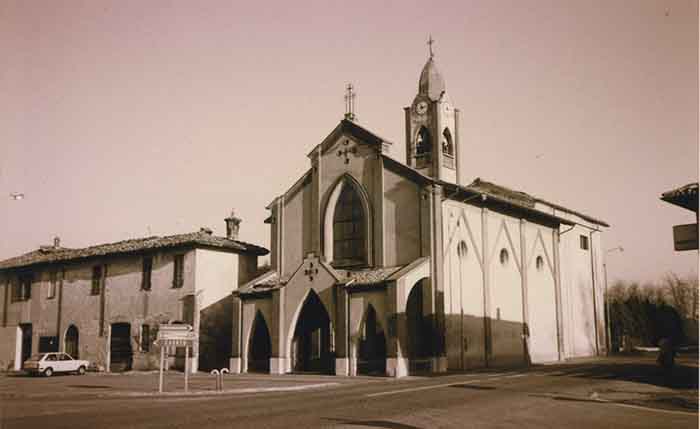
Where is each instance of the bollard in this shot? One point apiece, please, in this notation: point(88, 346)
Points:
point(221, 375)
point(215, 373)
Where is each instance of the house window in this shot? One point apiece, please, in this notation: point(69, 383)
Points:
point(462, 249)
point(96, 280)
point(146, 273)
point(349, 231)
point(52, 285)
point(539, 263)
point(584, 242)
point(145, 338)
point(504, 257)
point(22, 290)
point(178, 271)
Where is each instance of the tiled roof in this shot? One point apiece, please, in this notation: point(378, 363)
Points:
point(263, 283)
point(366, 277)
point(488, 188)
point(48, 254)
point(523, 199)
point(685, 196)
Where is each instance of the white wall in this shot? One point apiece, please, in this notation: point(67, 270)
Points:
point(216, 276)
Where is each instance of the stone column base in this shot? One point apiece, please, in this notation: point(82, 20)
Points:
point(439, 364)
point(396, 367)
point(234, 365)
point(279, 365)
point(342, 366)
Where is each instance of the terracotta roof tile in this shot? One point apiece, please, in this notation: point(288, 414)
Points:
point(366, 277)
point(197, 239)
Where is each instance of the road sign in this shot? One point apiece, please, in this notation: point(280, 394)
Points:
point(174, 336)
point(685, 237)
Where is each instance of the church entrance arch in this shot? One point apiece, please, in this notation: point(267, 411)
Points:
point(311, 343)
point(259, 346)
point(371, 355)
point(71, 342)
point(418, 327)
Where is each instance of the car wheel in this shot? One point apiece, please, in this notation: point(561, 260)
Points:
point(48, 372)
point(81, 370)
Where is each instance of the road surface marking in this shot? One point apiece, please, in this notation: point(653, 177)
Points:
point(656, 410)
point(436, 386)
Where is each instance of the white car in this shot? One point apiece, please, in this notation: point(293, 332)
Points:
point(50, 363)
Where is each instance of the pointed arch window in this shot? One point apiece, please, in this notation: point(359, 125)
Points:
point(423, 143)
point(448, 149)
point(349, 229)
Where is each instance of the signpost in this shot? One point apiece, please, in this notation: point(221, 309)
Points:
point(685, 237)
point(174, 336)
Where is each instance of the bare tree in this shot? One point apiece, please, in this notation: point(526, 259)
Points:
point(682, 294)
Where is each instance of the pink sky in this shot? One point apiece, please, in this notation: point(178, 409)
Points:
point(128, 118)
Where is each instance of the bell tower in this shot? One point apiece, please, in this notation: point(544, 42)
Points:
point(432, 141)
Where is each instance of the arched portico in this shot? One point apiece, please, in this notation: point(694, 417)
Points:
point(371, 344)
point(259, 346)
point(310, 340)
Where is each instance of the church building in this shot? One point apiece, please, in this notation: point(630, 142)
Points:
point(389, 268)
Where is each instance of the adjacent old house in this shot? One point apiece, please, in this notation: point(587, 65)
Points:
point(104, 303)
point(383, 267)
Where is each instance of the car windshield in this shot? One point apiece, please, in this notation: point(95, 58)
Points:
point(37, 357)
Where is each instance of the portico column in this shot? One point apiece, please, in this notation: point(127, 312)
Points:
point(342, 334)
point(396, 363)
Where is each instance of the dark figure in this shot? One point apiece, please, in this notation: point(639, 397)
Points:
point(667, 354)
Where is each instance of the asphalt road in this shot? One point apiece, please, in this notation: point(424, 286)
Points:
point(617, 394)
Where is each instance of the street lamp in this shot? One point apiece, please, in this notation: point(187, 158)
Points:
point(608, 340)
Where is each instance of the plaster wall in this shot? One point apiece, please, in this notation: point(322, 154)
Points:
point(541, 294)
point(216, 276)
point(464, 289)
point(402, 236)
point(124, 301)
point(581, 292)
point(8, 346)
point(296, 227)
point(506, 309)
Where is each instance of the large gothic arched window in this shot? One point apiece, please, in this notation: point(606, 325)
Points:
point(349, 229)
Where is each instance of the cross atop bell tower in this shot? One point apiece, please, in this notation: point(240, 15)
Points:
point(430, 46)
point(350, 102)
point(432, 123)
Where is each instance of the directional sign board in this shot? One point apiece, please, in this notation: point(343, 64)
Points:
point(175, 335)
point(685, 237)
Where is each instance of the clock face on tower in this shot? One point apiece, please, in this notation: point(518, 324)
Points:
point(421, 107)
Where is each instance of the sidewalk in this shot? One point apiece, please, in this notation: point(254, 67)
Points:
point(633, 380)
point(135, 384)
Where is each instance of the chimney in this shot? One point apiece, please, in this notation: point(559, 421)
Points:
point(206, 230)
point(57, 242)
point(233, 224)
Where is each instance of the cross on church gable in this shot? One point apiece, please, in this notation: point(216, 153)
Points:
point(311, 271)
point(346, 151)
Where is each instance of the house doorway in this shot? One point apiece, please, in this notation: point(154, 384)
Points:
point(71, 342)
point(26, 339)
point(121, 354)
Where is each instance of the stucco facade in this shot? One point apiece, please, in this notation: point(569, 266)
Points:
point(446, 276)
point(66, 310)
